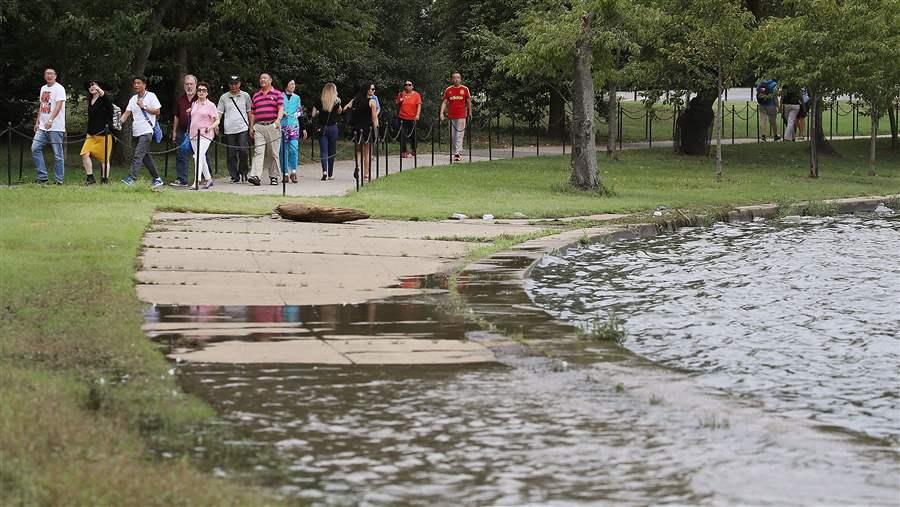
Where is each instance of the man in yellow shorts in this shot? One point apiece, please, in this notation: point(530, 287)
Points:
point(98, 144)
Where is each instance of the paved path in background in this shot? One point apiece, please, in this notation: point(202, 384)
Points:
point(310, 184)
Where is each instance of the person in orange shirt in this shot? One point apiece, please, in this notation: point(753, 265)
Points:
point(409, 102)
point(457, 105)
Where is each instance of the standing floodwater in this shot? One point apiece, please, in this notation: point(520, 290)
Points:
point(803, 315)
point(589, 425)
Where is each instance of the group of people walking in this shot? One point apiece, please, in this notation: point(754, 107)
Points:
point(273, 120)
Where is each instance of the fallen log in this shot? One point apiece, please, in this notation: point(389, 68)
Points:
point(300, 212)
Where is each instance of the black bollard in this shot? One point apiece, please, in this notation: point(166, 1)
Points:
point(283, 166)
point(377, 158)
point(216, 156)
point(747, 123)
point(432, 143)
point(386, 135)
point(490, 155)
point(166, 163)
point(732, 124)
point(537, 140)
point(650, 127)
point(104, 172)
point(21, 159)
point(9, 154)
point(196, 167)
point(513, 137)
point(469, 136)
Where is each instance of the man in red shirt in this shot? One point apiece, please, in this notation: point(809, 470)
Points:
point(458, 106)
point(409, 103)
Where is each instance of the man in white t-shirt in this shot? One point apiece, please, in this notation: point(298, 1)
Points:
point(144, 107)
point(50, 128)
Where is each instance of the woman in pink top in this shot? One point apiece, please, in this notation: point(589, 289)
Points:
point(204, 120)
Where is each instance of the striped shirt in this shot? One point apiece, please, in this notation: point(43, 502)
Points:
point(265, 105)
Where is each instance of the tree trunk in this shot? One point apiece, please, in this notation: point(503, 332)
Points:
point(720, 111)
point(873, 140)
point(181, 64)
point(584, 146)
point(124, 149)
point(815, 118)
point(299, 212)
point(892, 117)
point(694, 123)
point(612, 120)
point(822, 144)
point(556, 123)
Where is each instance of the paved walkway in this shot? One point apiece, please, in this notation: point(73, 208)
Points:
point(310, 184)
point(215, 261)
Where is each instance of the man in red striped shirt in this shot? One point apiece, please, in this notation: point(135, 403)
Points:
point(458, 106)
point(265, 130)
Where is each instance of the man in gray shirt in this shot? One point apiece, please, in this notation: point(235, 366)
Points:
point(234, 111)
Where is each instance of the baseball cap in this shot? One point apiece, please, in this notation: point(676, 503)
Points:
point(235, 79)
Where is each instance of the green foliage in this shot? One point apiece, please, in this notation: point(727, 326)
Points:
point(611, 329)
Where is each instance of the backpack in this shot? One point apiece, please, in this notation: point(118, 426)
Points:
point(116, 117)
point(762, 93)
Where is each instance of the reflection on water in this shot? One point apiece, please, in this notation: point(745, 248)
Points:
point(803, 316)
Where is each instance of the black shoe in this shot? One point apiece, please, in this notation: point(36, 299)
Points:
point(273, 181)
point(104, 180)
point(324, 176)
point(763, 138)
point(90, 180)
point(356, 174)
point(42, 182)
point(57, 182)
point(253, 180)
point(777, 138)
point(236, 179)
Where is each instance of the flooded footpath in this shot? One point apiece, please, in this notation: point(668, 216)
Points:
point(540, 416)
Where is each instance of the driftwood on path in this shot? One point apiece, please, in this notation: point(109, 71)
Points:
point(300, 212)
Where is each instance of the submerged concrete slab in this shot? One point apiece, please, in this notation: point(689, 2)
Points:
point(287, 351)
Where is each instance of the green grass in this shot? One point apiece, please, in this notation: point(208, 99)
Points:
point(774, 172)
point(84, 391)
point(72, 431)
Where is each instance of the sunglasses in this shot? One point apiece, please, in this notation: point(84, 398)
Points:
point(202, 90)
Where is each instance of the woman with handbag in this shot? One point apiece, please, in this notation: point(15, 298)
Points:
point(291, 131)
point(326, 127)
point(204, 121)
point(365, 125)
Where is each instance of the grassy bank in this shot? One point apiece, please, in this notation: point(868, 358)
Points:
point(82, 387)
point(536, 187)
point(80, 381)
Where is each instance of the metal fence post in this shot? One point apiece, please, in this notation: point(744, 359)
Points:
point(432, 141)
point(166, 161)
point(490, 154)
point(732, 124)
point(747, 123)
point(103, 168)
point(376, 147)
point(650, 127)
point(537, 140)
point(513, 137)
point(196, 167)
point(9, 153)
point(469, 135)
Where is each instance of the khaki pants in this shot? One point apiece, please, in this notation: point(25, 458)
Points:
point(266, 150)
point(457, 134)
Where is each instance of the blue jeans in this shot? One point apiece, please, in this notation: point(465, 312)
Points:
point(328, 149)
point(55, 140)
point(182, 158)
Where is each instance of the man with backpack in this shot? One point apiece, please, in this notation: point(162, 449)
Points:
point(767, 100)
point(234, 108)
